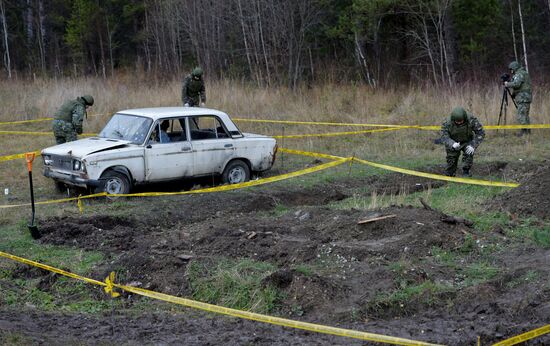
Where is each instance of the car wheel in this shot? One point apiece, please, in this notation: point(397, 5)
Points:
point(236, 172)
point(115, 183)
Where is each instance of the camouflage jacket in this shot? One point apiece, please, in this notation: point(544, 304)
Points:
point(470, 133)
point(520, 86)
point(72, 111)
point(192, 90)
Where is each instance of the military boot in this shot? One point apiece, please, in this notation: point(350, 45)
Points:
point(466, 172)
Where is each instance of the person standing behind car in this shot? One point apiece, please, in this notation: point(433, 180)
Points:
point(461, 132)
point(521, 92)
point(193, 92)
point(68, 119)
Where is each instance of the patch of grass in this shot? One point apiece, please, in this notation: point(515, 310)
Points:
point(478, 273)
point(17, 240)
point(456, 199)
point(530, 276)
point(304, 269)
point(406, 297)
point(542, 237)
point(234, 283)
point(533, 229)
point(445, 257)
point(279, 210)
point(488, 221)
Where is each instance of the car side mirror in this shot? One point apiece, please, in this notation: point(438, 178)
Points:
point(149, 146)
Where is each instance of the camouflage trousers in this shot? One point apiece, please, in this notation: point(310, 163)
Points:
point(63, 131)
point(452, 160)
point(523, 113)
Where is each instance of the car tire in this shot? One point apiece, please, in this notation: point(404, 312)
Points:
point(236, 172)
point(115, 183)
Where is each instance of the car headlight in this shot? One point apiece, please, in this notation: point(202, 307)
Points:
point(47, 160)
point(77, 165)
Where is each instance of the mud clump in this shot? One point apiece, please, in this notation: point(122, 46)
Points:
point(531, 198)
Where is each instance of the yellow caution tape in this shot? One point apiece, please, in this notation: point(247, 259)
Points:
point(418, 127)
point(25, 121)
point(525, 336)
point(438, 176)
point(109, 286)
point(317, 168)
point(331, 134)
point(291, 122)
point(15, 156)
point(37, 133)
point(408, 171)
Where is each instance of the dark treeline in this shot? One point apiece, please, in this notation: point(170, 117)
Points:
point(274, 42)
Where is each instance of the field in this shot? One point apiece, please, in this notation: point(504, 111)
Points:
point(470, 261)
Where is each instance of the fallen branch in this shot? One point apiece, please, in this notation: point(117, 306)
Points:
point(376, 219)
point(426, 206)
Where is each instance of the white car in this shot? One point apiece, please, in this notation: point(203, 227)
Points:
point(141, 146)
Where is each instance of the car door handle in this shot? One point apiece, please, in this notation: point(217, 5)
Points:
point(228, 145)
point(186, 149)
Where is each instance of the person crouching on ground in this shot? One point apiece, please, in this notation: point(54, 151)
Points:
point(68, 119)
point(462, 132)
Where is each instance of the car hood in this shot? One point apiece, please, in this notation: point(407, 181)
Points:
point(86, 146)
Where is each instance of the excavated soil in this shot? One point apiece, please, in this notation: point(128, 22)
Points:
point(531, 198)
point(356, 264)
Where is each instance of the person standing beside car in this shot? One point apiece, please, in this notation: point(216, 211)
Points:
point(462, 132)
point(520, 85)
point(69, 117)
point(193, 92)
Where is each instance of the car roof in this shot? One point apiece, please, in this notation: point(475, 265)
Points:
point(163, 112)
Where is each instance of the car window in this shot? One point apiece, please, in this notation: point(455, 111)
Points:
point(127, 127)
point(168, 131)
point(207, 127)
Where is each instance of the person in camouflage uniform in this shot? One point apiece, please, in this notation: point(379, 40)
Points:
point(462, 132)
point(193, 92)
point(520, 86)
point(68, 119)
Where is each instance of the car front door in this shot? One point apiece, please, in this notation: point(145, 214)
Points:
point(212, 145)
point(170, 158)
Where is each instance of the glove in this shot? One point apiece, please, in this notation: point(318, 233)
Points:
point(456, 145)
point(469, 150)
point(186, 105)
point(203, 104)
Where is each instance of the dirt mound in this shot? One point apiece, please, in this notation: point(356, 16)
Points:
point(531, 198)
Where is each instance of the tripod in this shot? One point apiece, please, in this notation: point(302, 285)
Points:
point(504, 104)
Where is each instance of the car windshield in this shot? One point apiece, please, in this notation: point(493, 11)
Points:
point(127, 127)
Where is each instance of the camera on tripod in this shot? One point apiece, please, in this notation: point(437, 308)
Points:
point(505, 77)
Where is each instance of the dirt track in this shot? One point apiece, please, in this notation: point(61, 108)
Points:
point(357, 261)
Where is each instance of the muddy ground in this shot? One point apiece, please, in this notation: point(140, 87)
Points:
point(353, 265)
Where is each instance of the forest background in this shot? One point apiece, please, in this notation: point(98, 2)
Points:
point(381, 43)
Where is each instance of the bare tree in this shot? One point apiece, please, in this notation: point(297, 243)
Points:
point(523, 36)
point(7, 60)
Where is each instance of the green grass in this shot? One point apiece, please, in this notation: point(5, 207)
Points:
point(16, 240)
point(234, 283)
point(479, 272)
point(406, 296)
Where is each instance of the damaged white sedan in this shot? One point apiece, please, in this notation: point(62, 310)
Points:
point(141, 146)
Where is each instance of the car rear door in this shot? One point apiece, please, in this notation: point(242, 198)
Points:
point(211, 143)
point(171, 160)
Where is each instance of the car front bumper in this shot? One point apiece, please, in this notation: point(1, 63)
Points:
point(71, 179)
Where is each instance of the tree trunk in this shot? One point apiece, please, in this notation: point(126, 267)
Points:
point(514, 32)
point(7, 60)
point(523, 36)
point(42, 35)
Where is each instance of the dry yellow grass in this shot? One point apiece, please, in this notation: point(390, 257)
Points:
point(22, 100)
